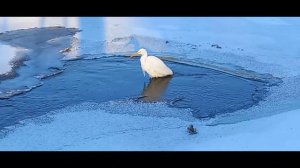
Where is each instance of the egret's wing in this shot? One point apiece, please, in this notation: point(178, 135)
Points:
point(159, 66)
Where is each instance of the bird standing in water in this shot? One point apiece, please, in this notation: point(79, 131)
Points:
point(154, 67)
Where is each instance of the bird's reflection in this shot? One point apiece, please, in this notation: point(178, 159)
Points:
point(155, 88)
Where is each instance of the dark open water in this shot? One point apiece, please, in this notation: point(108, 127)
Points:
point(207, 92)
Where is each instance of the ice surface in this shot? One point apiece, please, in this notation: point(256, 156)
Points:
point(91, 127)
point(42, 46)
point(89, 122)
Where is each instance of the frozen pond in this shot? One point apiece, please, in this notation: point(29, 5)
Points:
point(101, 78)
point(68, 83)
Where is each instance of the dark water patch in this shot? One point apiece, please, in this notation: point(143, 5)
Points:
point(206, 91)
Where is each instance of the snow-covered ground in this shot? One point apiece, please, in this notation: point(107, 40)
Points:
point(7, 53)
point(85, 127)
point(264, 45)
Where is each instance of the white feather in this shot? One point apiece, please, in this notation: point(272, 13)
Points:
point(153, 66)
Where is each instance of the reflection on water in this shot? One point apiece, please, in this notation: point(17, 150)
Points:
point(155, 88)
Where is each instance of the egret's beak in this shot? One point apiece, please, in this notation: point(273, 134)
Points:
point(134, 54)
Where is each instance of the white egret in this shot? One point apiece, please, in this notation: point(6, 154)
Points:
point(152, 65)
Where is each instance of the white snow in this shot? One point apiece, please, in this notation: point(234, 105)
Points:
point(88, 127)
point(7, 53)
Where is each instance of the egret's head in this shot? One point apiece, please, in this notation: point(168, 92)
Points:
point(140, 52)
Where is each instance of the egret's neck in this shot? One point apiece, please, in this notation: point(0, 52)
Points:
point(144, 57)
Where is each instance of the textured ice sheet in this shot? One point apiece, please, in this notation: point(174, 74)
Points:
point(90, 127)
point(42, 59)
point(79, 125)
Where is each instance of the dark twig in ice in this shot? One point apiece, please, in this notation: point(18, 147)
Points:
point(191, 130)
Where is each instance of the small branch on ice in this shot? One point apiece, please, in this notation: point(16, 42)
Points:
point(191, 130)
